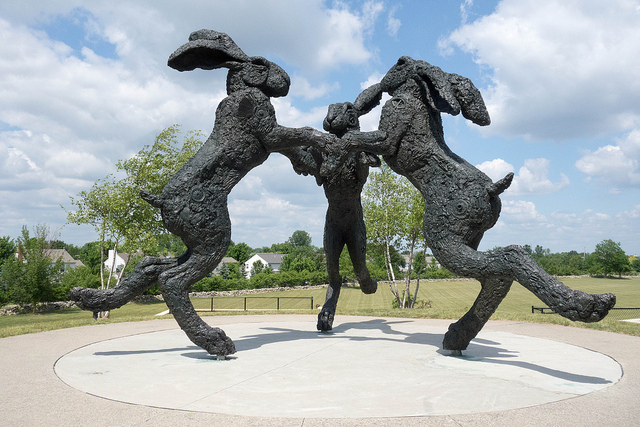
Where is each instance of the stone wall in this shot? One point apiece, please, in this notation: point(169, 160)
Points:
point(41, 308)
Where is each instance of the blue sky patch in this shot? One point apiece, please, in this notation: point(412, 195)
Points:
point(75, 30)
point(6, 127)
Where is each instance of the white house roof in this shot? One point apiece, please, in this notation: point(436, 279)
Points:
point(271, 258)
point(62, 254)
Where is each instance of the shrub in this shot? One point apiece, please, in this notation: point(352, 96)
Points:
point(418, 304)
point(80, 276)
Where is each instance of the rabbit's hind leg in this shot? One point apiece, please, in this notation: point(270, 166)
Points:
point(144, 275)
point(175, 285)
point(493, 291)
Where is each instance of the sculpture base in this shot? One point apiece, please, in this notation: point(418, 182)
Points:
point(365, 368)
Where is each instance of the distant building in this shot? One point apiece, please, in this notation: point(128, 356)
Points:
point(121, 259)
point(427, 259)
point(225, 260)
point(67, 259)
point(273, 261)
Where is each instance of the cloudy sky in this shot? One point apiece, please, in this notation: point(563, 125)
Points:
point(83, 84)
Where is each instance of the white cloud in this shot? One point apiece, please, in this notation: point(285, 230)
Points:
point(373, 79)
point(343, 40)
point(521, 211)
point(532, 177)
point(290, 116)
point(614, 165)
point(464, 10)
point(67, 113)
point(272, 202)
point(561, 231)
point(371, 10)
point(301, 87)
point(393, 23)
point(371, 120)
point(495, 169)
point(560, 68)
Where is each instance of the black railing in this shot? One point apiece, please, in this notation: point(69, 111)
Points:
point(616, 313)
point(247, 306)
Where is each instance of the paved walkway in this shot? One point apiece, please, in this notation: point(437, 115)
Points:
point(369, 371)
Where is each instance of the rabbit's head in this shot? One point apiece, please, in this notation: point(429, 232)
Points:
point(209, 50)
point(444, 92)
point(341, 118)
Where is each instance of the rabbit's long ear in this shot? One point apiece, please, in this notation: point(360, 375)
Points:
point(436, 83)
point(452, 94)
point(470, 99)
point(207, 49)
point(368, 99)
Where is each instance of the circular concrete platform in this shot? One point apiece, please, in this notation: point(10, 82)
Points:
point(370, 368)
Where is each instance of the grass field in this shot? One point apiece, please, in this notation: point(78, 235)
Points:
point(447, 300)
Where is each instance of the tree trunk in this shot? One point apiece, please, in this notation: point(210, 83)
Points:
point(407, 286)
point(418, 273)
point(393, 285)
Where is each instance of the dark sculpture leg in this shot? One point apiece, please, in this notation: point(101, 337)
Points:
point(344, 225)
point(514, 263)
point(333, 244)
point(175, 285)
point(357, 247)
point(460, 334)
point(143, 276)
point(573, 304)
point(327, 314)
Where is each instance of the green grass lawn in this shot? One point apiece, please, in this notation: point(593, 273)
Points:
point(447, 300)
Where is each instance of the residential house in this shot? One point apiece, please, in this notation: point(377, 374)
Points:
point(121, 259)
point(225, 260)
point(428, 260)
point(273, 261)
point(67, 259)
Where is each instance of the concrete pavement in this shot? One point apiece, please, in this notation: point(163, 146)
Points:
point(369, 371)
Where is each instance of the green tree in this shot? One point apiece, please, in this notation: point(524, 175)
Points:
point(347, 272)
point(393, 213)
point(224, 271)
point(115, 208)
point(91, 255)
point(7, 248)
point(414, 236)
point(32, 276)
point(539, 252)
point(80, 276)
point(299, 238)
point(241, 252)
point(611, 258)
point(170, 245)
point(377, 261)
point(276, 248)
point(257, 268)
point(303, 261)
point(236, 271)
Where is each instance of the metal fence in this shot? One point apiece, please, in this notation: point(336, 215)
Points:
point(247, 303)
point(622, 313)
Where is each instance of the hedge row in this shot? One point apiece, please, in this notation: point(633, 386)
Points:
point(283, 279)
